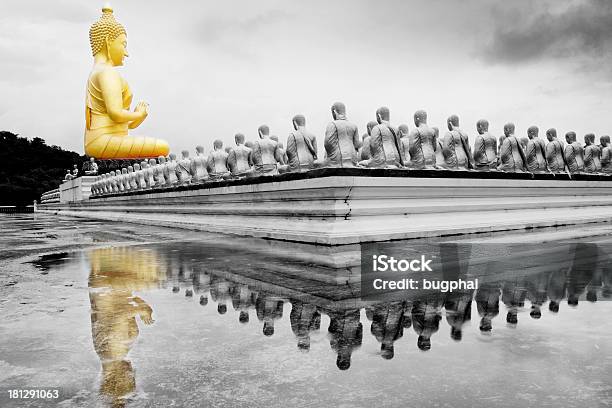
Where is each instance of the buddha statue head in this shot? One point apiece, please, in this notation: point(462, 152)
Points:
point(108, 38)
point(482, 126)
point(551, 134)
point(161, 159)
point(382, 114)
point(509, 129)
point(604, 140)
point(338, 111)
point(533, 132)
point(199, 150)
point(452, 122)
point(402, 130)
point(263, 131)
point(217, 145)
point(239, 139)
point(185, 154)
point(298, 121)
point(570, 137)
point(420, 116)
point(370, 126)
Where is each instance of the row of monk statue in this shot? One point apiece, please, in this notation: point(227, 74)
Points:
point(383, 146)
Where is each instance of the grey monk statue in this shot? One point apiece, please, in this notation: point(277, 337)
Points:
point(606, 154)
point(574, 153)
point(364, 150)
point(384, 143)
point(422, 141)
point(485, 147)
point(265, 153)
point(456, 148)
point(240, 159)
point(301, 146)
point(217, 162)
point(555, 157)
point(535, 152)
point(511, 155)
point(341, 139)
point(592, 155)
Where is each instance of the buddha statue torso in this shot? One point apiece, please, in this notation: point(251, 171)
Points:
point(485, 151)
point(422, 148)
point(341, 143)
point(383, 147)
point(300, 151)
point(574, 156)
point(240, 160)
point(555, 156)
point(456, 152)
point(511, 155)
point(592, 162)
point(265, 156)
point(535, 155)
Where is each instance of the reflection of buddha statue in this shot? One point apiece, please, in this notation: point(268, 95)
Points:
point(534, 152)
point(115, 274)
point(555, 156)
point(301, 146)
point(457, 151)
point(485, 147)
point(422, 143)
point(107, 108)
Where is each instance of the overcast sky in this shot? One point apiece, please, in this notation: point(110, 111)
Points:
point(210, 69)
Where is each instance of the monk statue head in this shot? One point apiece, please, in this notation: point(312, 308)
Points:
point(185, 154)
point(275, 138)
point(199, 150)
point(152, 162)
point(589, 139)
point(227, 149)
point(532, 132)
point(298, 121)
point(108, 38)
point(551, 134)
point(570, 137)
point(130, 169)
point(382, 114)
point(248, 144)
point(142, 163)
point(239, 139)
point(338, 111)
point(124, 170)
point(136, 167)
point(420, 116)
point(436, 131)
point(509, 129)
point(604, 140)
point(161, 159)
point(263, 131)
point(172, 156)
point(403, 130)
point(452, 122)
point(217, 144)
point(482, 126)
point(371, 124)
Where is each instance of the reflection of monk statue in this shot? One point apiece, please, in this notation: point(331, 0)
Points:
point(269, 308)
point(387, 326)
point(426, 316)
point(555, 290)
point(243, 299)
point(305, 318)
point(485, 147)
point(514, 293)
point(346, 334)
point(487, 302)
point(107, 104)
point(115, 274)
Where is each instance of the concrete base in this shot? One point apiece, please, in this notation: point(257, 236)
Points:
point(345, 206)
point(77, 189)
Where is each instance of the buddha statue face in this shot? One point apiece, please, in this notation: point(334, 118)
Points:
point(108, 38)
point(482, 126)
point(533, 132)
point(551, 134)
point(117, 50)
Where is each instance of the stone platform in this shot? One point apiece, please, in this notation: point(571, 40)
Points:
point(335, 206)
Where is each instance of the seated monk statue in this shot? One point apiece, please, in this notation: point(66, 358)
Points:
point(440, 160)
point(124, 180)
point(158, 172)
point(341, 140)
point(68, 176)
point(266, 153)
point(456, 147)
point(301, 146)
point(422, 143)
point(112, 182)
point(183, 168)
point(555, 156)
point(384, 143)
point(592, 155)
point(108, 98)
point(364, 150)
point(139, 177)
point(90, 168)
point(404, 144)
point(523, 142)
point(485, 148)
point(132, 178)
point(170, 170)
point(535, 152)
point(511, 155)
point(606, 154)
point(574, 153)
point(150, 173)
point(217, 162)
point(240, 159)
point(199, 166)
point(249, 144)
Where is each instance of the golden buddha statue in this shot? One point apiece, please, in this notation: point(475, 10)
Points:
point(108, 99)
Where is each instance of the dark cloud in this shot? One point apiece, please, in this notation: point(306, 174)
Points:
point(526, 34)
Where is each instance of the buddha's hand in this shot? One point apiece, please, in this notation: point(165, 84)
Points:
point(146, 314)
point(143, 108)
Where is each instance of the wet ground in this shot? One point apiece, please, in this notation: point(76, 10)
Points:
point(113, 314)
